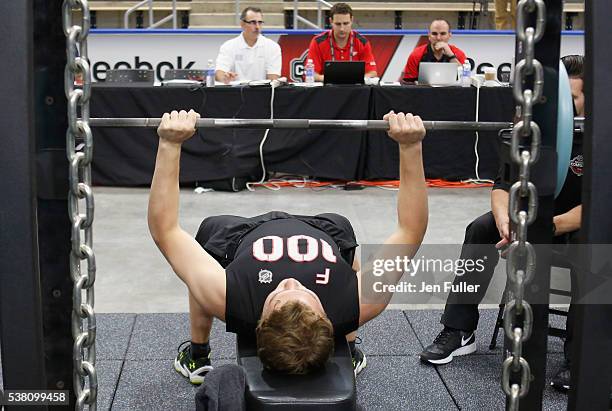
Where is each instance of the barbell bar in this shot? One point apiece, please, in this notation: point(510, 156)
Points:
point(292, 123)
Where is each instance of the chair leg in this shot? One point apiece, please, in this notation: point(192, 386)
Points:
point(499, 323)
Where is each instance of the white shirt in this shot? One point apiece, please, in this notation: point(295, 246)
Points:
point(250, 63)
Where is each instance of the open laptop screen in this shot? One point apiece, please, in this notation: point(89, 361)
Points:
point(344, 72)
point(438, 74)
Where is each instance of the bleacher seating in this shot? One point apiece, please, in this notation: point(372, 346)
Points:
point(411, 14)
point(110, 14)
point(416, 14)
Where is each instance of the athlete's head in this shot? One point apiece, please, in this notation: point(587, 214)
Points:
point(294, 335)
point(574, 64)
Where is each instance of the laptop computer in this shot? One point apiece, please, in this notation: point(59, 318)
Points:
point(438, 74)
point(344, 72)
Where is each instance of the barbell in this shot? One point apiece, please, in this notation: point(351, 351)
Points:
point(312, 124)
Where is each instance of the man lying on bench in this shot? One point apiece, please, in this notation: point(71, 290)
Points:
point(290, 281)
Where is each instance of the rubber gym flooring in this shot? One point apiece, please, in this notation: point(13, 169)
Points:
point(142, 307)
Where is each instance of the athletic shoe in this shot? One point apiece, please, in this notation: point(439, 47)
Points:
point(359, 361)
point(448, 343)
point(192, 368)
point(561, 380)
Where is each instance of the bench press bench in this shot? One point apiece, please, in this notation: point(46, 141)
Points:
point(331, 388)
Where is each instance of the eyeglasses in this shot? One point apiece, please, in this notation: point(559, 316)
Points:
point(254, 22)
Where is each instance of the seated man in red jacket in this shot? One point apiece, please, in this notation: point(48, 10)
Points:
point(341, 43)
point(436, 51)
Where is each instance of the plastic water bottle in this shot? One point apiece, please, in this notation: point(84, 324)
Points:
point(466, 78)
point(309, 71)
point(210, 74)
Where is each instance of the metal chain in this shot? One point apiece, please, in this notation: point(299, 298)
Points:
point(80, 204)
point(521, 259)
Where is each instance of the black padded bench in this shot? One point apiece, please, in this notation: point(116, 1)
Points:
point(332, 388)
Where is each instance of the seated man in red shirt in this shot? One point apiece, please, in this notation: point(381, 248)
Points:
point(436, 51)
point(341, 43)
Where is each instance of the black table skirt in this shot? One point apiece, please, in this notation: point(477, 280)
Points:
point(446, 154)
point(126, 157)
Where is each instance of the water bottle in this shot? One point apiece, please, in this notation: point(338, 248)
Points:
point(309, 71)
point(210, 74)
point(466, 78)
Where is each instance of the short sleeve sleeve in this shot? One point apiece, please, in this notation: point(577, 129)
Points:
point(315, 55)
point(460, 55)
point(368, 57)
point(274, 59)
point(225, 58)
point(411, 70)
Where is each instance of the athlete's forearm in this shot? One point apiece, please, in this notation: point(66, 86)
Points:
point(164, 195)
point(412, 207)
point(412, 223)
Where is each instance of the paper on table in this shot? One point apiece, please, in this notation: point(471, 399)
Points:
point(238, 82)
point(315, 84)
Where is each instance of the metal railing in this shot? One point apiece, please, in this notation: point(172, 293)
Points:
point(152, 23)
point(480, 15)
point(297, 18)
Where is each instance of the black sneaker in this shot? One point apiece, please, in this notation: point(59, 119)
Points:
point(359, 361)
point(192, 368)
point(448, 343)
point(561, 380)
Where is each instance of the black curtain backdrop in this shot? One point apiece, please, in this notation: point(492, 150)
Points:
point(446, 154)
point(126, 157)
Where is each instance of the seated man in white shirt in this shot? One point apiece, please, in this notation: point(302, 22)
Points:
point(250, 56)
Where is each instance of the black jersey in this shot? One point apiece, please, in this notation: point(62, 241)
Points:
point(289, 248)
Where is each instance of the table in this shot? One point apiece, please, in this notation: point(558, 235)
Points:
point(126, 157)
